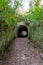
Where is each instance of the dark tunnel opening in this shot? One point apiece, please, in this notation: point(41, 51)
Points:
point(22, 29)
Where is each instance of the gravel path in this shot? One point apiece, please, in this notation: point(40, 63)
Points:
point(21, 53)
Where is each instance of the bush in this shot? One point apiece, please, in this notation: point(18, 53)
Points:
point(34, 19)
point(8, 22)
point(5, 41)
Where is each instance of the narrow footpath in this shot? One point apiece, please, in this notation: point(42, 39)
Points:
point(21, 53)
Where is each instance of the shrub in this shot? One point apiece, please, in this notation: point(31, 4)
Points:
point(34, 19)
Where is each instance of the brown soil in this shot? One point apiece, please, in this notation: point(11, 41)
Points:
point(21, 53)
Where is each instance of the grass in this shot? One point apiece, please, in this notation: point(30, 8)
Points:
point(37, 38)
point(5, 40)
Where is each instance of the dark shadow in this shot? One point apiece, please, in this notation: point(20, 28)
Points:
point(20, 29)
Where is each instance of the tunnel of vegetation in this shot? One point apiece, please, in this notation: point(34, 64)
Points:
point(22, 31)
point(11, 17)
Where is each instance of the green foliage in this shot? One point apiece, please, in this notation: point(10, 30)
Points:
point(37, 38)
point(16, 2)
point(36, 2)
point(6, 40)
point(8, 22)
point(9, 18)
point(34, 16)
point(33, 20)
point(7, 13)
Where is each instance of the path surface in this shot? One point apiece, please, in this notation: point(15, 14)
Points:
point(21, 53)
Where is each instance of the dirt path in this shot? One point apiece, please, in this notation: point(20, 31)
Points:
point(21, 53)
